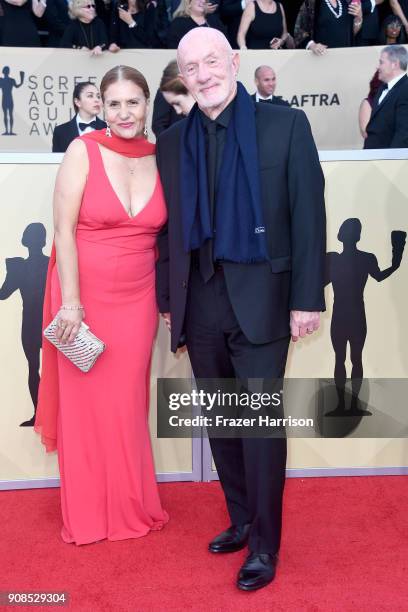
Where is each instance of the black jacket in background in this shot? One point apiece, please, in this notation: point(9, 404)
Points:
point(149, 33)
point(57, 18)
point(292, 191)
point(370, 30)
point(231, 13)
point(291, 8)
point(388, 126)
point(74, 36)
point(139, 37)
point(278, 100)
point(65, 133)
point(104, 11)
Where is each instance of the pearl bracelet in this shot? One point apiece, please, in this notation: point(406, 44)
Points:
point(68, 307)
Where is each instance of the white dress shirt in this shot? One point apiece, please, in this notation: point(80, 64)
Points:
point(258, 97)
point(390, 86)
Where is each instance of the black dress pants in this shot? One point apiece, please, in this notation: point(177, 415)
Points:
point(251, 470)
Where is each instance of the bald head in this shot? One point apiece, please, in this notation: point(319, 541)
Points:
point(265, 81)
point(201, 38)
point(208, 68)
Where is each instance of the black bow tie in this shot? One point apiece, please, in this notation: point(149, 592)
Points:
point(268, 101)
point(83, 126)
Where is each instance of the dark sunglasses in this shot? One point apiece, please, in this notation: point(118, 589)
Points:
point(89, 6)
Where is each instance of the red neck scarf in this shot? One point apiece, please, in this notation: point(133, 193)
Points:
point(128, 147)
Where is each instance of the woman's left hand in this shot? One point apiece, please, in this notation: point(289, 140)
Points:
point(125, 16)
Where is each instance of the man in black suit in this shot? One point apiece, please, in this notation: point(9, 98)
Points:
point(249, 174)
point(87, 105)
point(265, 81)
point(388, 125)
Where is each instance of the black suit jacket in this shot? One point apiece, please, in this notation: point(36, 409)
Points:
point(65, 133)
point(388, 125)
point(275, 100)
point(292, 188)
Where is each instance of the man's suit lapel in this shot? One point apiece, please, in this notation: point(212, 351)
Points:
point(73, 126)
point(388, 97)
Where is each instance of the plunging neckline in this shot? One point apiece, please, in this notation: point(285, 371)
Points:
point(126, 212)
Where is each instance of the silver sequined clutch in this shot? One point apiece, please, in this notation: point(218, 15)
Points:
point(83, 351)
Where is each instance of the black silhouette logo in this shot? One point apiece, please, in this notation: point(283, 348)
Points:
point(28, 276)
point(348, 273)
point(6, 85)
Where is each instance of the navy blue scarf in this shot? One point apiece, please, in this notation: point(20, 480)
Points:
point(240, 232)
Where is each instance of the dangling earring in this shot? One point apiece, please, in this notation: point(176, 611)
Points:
point(145, 132)
point(108, 131)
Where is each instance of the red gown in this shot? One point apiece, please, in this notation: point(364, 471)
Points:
point(108, 485)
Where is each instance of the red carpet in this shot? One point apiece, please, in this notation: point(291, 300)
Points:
point(345, 548)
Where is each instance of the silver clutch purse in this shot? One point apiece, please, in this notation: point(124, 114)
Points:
point(83, 351)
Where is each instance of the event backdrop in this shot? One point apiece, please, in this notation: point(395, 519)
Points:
point(375, 192)
point(39, 83)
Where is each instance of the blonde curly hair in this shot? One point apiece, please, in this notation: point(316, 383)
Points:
point(74, 6)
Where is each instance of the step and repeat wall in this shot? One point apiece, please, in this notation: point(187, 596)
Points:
point(37, 86)
point(365, 198)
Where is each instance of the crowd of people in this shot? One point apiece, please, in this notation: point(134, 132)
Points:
point(387, 129)
point(111, 25)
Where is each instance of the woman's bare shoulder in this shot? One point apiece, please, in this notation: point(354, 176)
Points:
point(76, 156)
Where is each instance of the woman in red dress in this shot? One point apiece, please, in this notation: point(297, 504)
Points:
point(108, 209)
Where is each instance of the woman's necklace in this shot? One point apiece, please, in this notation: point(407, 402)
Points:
point(333, 10)
point(89, 43)
point(130, 168)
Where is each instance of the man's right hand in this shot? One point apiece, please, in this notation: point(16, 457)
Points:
point(167, 319)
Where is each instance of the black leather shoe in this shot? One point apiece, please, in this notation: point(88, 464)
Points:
point(233, 539)
point(257, 571)
point(29, 423)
